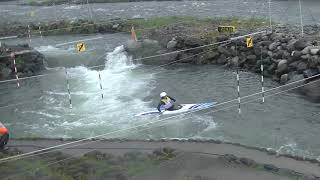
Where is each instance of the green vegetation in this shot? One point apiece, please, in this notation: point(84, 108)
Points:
point(93, 165)
point(19, 61)
point(180, 25)
point(198, 27)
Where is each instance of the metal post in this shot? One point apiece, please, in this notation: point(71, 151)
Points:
point(301, 21)
point(262, 86)
point(100, 85)
point(238, 81)
point(15, 68)
point(29, 33)
point(68, 88)
point(270, 17)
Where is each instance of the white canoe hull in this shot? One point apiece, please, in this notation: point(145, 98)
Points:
point(184, 108)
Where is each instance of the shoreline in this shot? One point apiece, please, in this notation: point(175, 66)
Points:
point(269, 151)
point(233, 152)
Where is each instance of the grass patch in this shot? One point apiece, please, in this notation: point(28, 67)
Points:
point(94, 165)
point(205, 28)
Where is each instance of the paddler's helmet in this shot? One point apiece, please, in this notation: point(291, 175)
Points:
point(163, 94)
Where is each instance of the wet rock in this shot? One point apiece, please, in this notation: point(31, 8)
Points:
point(310, 177)
point(252, 58)
point(285, 55)
point(295, 80)
point(306, 50)
point(310, 72)
point(230, 157)
point(272, 68)
point(212, 55)
point(234, 61)
point(185, 58)
point(247, 162)
point(115, 26)
point(172, 44)
point(270, 167)
point(301, 67)
point(291, 44)
point(265, 43)
point(146, 48)
point(5, 73)
point(305, 57)
point(193, 42)
point(296, 55)
point(314, 61)
point(273, 46)
point(267, 61)
point(282, 66)
point(278, 55)
point(284, 78)
point(224, 51)
point(301, 44)
point(314, 50)
point(222, 59)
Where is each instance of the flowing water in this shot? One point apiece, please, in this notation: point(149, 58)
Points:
point(40, 107)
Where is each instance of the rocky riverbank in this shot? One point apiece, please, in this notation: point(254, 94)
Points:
point(285, 55)
point(29, 62)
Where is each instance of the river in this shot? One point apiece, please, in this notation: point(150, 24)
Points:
point(40, 107)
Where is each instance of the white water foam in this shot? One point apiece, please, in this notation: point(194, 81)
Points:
point(123, 89)
point(72, 7)
point(292, 148)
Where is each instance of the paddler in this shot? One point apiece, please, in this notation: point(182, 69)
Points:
point(166, 102)
point(4, 136)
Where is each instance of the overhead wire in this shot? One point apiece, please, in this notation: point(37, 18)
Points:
point(172, 52)
point(53, 148)
point(178, 60)
point(143, 129)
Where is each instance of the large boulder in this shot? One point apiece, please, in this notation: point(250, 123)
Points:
point(278, 55)
point(291, 44)
point(314, 61)
point(273, 46)
point(282, 66)
point(301, 44)
point(306, 50)
point(296, 55)
point(28, 61)
point(172, 44)
point(193, 42)
point(314, 50)
point(284, 78)
point(147, 47)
